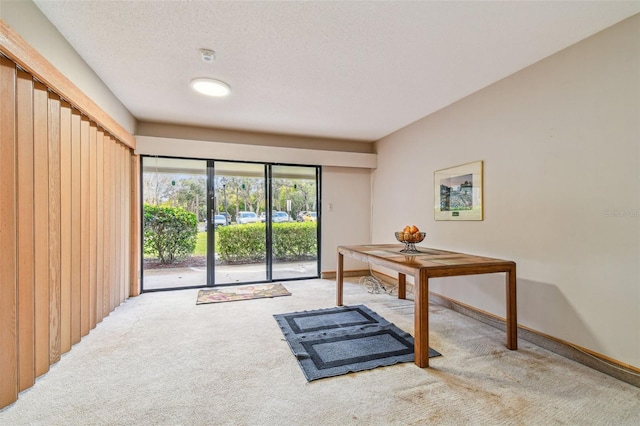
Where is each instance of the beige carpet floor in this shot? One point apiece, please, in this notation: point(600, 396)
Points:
point(161, 360)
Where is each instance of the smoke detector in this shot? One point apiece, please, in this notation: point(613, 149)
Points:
point(207, 55)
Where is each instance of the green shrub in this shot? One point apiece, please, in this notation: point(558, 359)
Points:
point(246, 243)
point(170, 233)
point(242, 243)
point(294, 240)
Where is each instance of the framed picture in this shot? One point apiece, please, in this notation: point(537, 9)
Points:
point(458, 192)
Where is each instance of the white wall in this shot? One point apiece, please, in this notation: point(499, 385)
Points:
point(152, 145)
point(346, 213)
point(24, 17)
point(560, 142)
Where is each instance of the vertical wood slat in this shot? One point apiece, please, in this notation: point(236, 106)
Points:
point(114, 223)
point(99, 225)
point(134, 231)
point(127, 196)
point(115, 272)
point(106, 210)
point(124, 224)
point(93, 133)
point(26, 282)
point(41, 226)
point(84, 226)
point(8, 231)
point(54, 227)
point(121, 207)
point(124, 220)
point(75, 227)
point(65, 227)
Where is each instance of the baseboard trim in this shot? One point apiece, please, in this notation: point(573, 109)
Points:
point(604, 364)
point(331, 275)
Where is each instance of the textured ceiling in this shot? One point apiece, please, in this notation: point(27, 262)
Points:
point(350, 70)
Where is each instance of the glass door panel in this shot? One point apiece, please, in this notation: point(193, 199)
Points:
point(240, 244)
point(294, 225)
point(174, 223)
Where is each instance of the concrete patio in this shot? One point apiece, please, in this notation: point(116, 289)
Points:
point(154, 279)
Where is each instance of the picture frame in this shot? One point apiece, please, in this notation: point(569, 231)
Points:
point(458, 192)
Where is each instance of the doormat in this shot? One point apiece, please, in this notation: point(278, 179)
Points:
point(245, 292)
point(334, 341)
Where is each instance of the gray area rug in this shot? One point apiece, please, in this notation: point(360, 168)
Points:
point(334, 341)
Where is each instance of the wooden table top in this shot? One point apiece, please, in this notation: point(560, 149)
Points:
point(439, 262)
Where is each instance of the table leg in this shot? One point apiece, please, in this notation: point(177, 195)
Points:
point(512, 306)
point(339, 278)
point(421, 319)
point(402, 286)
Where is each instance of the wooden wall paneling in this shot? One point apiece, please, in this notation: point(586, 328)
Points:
point(54, 227)
point(76, 246)
point(106, 213)
point(26, 282)
point(99, 225)
point(134, 220)
point(55, 218)
point(41, 226)
point(93, 133)
point(84, 226)
point(65, 227)
point(8, 232)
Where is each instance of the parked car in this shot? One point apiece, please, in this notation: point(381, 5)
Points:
point(310, 217)
point(219, 220)
point(278, 217)
point(246, 217)
point(300, 216)
point(263, 217)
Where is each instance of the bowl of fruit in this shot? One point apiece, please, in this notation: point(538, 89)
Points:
point(410, 235)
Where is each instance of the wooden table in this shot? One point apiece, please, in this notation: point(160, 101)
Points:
point(431, 263)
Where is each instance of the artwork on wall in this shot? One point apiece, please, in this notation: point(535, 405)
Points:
point(458, 192)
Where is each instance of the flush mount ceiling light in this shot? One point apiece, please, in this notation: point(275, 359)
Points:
point(210, 87)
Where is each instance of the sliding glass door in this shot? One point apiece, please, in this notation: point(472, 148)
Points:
point(174, 217)
point(294, 222)
point(240, 244)
point(208, 223)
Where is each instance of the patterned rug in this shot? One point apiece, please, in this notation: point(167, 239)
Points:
point(334, 341)
point(245, 292)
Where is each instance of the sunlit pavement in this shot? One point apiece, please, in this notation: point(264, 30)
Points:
point(154, 279)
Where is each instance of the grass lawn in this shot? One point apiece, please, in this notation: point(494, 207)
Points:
point(201, 244)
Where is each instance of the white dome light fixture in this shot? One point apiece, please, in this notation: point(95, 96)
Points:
point(211, 87)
